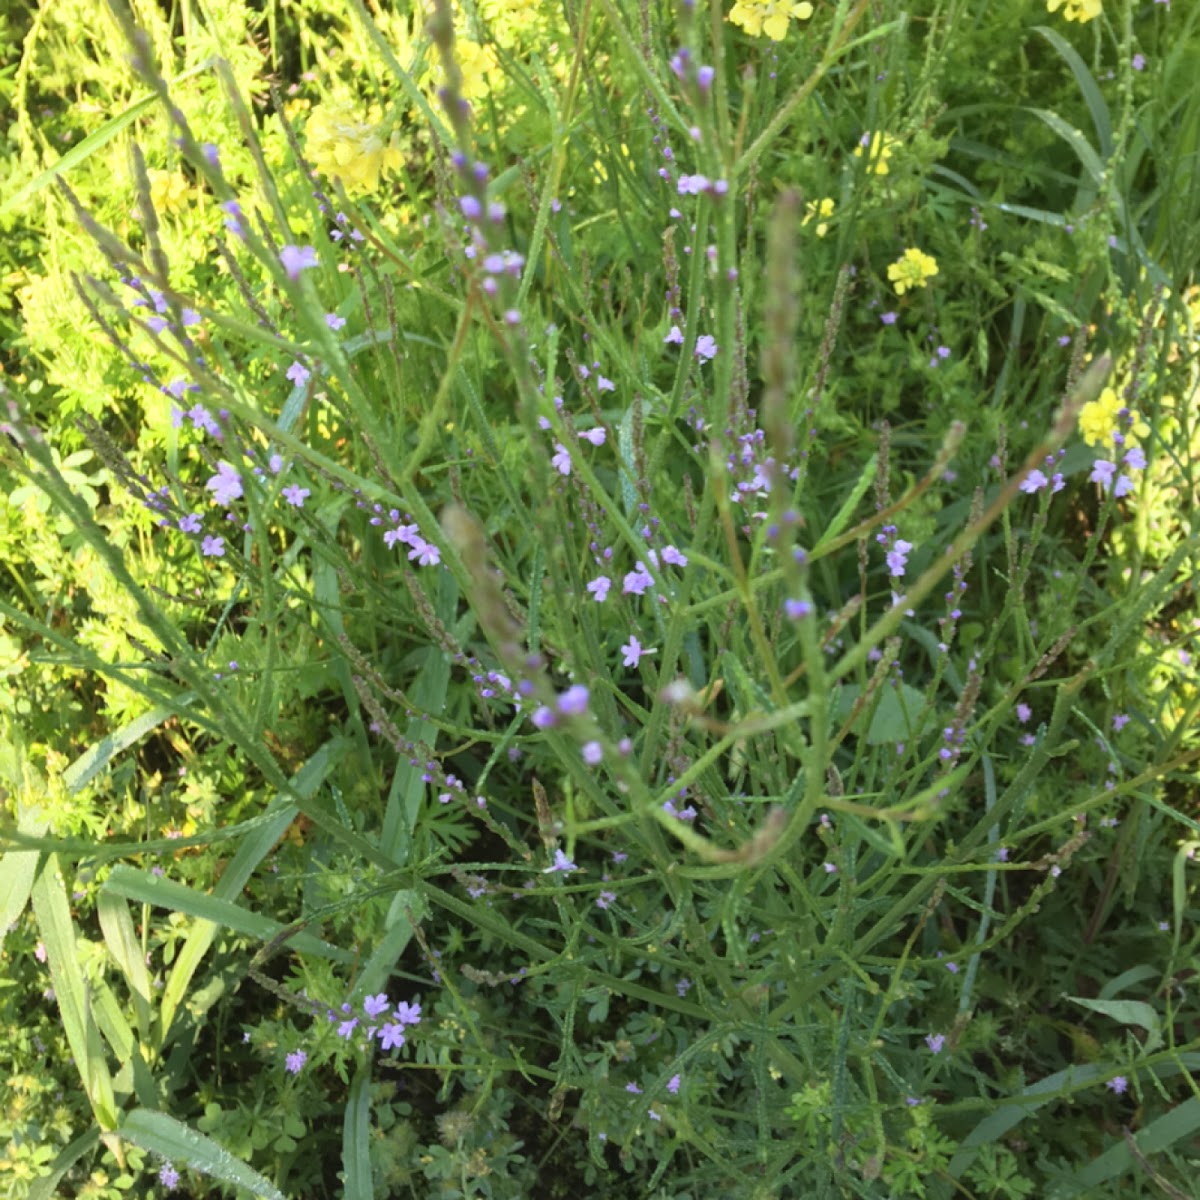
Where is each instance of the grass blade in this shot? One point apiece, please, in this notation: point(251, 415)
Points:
point(58, 935)
point(356, 1130)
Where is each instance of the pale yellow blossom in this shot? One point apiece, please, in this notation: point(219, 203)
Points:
point(770, 17)
point(911, 270)
point(1082, 11)
point(819, 211)
point(878, 149)
point(343, 147)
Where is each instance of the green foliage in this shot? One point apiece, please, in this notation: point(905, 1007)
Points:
point(356, 839)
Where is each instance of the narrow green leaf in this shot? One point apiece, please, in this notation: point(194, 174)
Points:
point(93, 760)
point(1087, 85)
point(46, 1188)
point(256, 846)
point(117, 926)
point(842, 517)
point(93, 142)
point(1084, 150)
point(178, 1143)
point(356, 1131)
point(133, 884)
point(1162, 1133)
point(70, 991)
point(18, 868)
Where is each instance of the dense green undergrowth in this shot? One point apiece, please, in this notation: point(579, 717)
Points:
point(599, 600)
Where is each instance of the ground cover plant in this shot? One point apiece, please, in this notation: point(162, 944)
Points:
point(599, 599)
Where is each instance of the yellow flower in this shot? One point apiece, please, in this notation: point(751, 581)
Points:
point(878, 150)
point(1101, 419)
point(343, 147)
point(168, 190)
point(818, 210)
point(771, 17)
point(476, 63)
point(1082, 11)
point(911, 270)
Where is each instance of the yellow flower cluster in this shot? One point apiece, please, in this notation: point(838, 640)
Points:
point(1101, 419)
point(911, 270)
point(1082, 11)
point(476, 63)
point(771, 17)
point(819, 211)
point(168, 190)
point(343, 147)
point(878, 150)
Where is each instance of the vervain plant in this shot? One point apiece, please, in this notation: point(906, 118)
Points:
point(641, 751)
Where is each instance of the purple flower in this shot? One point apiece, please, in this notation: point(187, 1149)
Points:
point(593, 753)
point(888, 318)
point(674, 336)
point(1135, 459)
point(605, 899)
point(595, 436)
point(391, 1035)
point(693, 185)
point(935, 1042)
point(675, 557)
point(1033, 482)
point(334, 321)
point(561, 461)
point(190, 523)
point(599, 588)
point(426, 554)
point(561, 863)
point(295, 1061)
point(633, 652)
point(797, 610)
point(374, 1005)
point(296, 259)
point(706, 347)
point(1117, 1084)
point(633, 1089)
point(673, 1084)
point(295, 495)
point(201, 418)
point(897, 557)
point(542, 717)
point(636, 582)
point(1102, 473)
point(1024, 712)
point(298, 373)
point(1120, 721)
point(225, 485)
point(407, 1014)
point(1138, 62)
point(168, 1177)
point(574, 701)
point(213, 547)
point(347, 1027)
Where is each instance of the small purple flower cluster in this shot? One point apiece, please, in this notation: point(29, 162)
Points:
point(381, 1022)
point(1110, 476)
point(405, 532)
